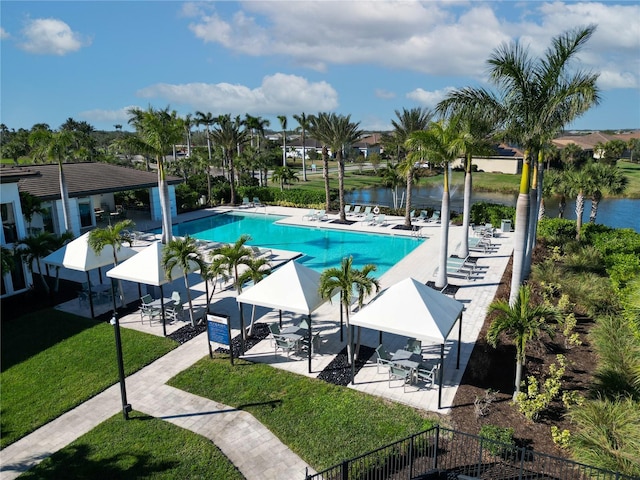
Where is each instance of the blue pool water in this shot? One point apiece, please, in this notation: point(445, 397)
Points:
point(322, 247)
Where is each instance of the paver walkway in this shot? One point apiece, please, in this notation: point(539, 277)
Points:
point(252, 448)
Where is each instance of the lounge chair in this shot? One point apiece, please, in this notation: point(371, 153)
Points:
point(479, 244)
point(321, 215)
point(367, 211)
point(383, 358)
point(369, 219)
point(246, 203)
point(423, 217)
point(347, 209)
point(435, 217)
point(380, 220)
point(356, 212)
point(259, 252)
point(310, 215)
point(257, 203)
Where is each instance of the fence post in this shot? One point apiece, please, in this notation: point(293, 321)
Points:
point(522, 455)
point(411, 444)
point(477, 474)
point(345, 470)
point(435, 451)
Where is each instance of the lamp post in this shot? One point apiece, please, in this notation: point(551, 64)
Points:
point(126, 408)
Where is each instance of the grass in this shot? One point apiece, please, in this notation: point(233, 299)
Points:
point(143, 447)
point(321, 422)
point(53, 361)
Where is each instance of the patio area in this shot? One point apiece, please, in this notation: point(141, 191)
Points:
point(475, 293)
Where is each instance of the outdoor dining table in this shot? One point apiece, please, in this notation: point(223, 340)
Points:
point(157, 303)
point(407, 359)
point(296, 334)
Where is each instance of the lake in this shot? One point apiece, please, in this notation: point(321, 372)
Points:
point(616, 213)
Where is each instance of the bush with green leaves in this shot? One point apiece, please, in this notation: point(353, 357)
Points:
point(501, 438)
point(484, 212)
point(560, 437)
point(300, 198)
point(537, 398)
point(557, 231)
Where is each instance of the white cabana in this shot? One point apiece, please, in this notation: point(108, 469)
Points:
point(146, 268)
point(412, 309)
point(292, 287)
point(78, 255)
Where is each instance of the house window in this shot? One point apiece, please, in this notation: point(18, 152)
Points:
point(47, 217)
point(85, 214)
point(8, 223)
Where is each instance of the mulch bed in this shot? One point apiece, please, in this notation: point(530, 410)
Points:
point(403, 227)
point(338, 371)
point(494, 368)
point(343, 222)
point(450, 289)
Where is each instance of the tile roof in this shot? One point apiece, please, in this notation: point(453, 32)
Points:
point(12, 174)
point(88, 179)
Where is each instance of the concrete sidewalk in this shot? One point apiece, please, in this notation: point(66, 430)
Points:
point(250, 446)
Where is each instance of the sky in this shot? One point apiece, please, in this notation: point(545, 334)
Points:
point(93, 60)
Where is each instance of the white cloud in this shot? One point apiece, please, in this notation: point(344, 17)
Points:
point(610, 79)
point(436, 38)
point(279, 94)
point(384, 94)
point(3, 34)
point(429, 99)
point(50, 36)
point(120, 116)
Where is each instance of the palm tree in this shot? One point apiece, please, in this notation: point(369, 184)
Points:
point(228, 259)
point(304, 121)
point(409, 121)
point(536, 96)
point(442, 143)
point(581, 184)
point(256, 270)
point(183, 253)
point(115, 236)
point(229, 136)
point(56, 146)
point(207, 119)
point(521, 321)
point(391, 178)
point(284, 175)
point(607, 178)
point(283, 124)
point(7, 260)
point(159, 130)
point(320, 129)
point(30, 205)
point(188, 122)
point(342, 133)
point(33, 249)
point(344, 279)
point(571, 155)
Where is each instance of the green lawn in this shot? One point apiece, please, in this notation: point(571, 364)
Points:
point(53, 361)
point(143, 447)
point(321, 422)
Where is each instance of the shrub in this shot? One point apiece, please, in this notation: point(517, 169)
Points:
point(500, 438)
point(557, 231)
point(481, 405)
point(537, 399)
point(484, 212)
point(560, 437)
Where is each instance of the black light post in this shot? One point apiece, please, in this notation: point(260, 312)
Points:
point(126, 408)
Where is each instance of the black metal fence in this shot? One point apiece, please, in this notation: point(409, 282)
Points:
point(440, 453)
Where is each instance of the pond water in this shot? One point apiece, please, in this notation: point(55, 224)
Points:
point(616, 213)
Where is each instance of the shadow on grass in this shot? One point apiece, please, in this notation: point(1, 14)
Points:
point(75, 462)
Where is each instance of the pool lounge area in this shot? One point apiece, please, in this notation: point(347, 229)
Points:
point(420, 263)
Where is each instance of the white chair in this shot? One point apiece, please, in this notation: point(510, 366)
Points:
point(174, 309)
point(427, 375)
point(147, 310)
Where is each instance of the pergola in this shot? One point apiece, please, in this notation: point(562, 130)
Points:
point(292, 288)
point(412, 309)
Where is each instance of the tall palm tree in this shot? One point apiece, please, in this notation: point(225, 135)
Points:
point(30, 205)
point(159, 130)
point(339, 132)
point(7, 260)
point(229, 135)
point(535, 96)
point(392, 178)
point(409, 121)
point(320, 129)
point(581, 184)
point(56, 146)
point(343, 280)
point(283, 124)
point(304, 121)
point(115, 236)
point(442, 143)
point(208, 120)
point(607, 179)
point(257, 269)
point(188, 122)
point(183, 253)
point(521, 321)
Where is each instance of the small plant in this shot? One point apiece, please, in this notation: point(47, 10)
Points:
point(571, 398)
point(571, 338)
point(481, 405)
point(536, 399)
point(500, 438)
point(560, 437)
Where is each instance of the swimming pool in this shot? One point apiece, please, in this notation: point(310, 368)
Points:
point(322, 247)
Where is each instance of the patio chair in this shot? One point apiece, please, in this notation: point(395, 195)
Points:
point(427, 374)
point(396, 372)
point(366, 212)
point(321, 215)
point(274, 329)
point(285, 344)
point(246, 203)
point(380, 220)
point(174, 309)
point(315, 342)
point(423, 217)
point(259, 252)
point(369, 219)
point(310, 215)
point(257, 202)
point(435, 217)
point(147, 310)
point(383, 358)
point(356, 212)
point(347, 209)
point(414, 346)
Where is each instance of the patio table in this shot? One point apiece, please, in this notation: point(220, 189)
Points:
point(407, 359)
point(157, 303)
point(292, 330)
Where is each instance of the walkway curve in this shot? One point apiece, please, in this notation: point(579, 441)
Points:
point(249, 445)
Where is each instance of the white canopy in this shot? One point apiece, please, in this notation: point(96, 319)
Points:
point(146, 267)
point(412, 309)
point(292, 287)
point(78, 255)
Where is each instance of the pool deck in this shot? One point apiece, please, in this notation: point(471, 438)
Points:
point(475, 294)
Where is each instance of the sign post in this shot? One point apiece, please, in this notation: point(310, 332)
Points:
point(219, 331)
